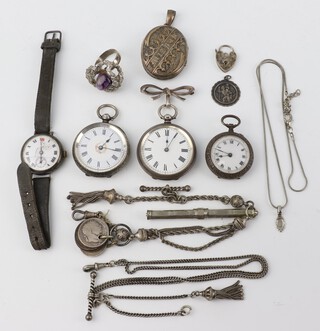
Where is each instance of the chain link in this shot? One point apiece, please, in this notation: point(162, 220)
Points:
point(96, 295)
point(173, 197)
point(169, 194)
point(269, 138)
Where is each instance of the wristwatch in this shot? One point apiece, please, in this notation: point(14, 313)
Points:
point(42, 153)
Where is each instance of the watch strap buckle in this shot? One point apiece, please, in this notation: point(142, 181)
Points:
point(52, 39)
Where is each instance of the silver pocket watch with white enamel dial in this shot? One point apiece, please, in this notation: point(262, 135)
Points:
point(101, 149)
point(229, 154)
point(166, 151)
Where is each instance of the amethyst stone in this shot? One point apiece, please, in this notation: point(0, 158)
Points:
point(103, 81)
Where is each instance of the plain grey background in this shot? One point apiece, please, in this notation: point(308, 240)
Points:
point(47, 288)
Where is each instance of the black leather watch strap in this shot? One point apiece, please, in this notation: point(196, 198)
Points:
point(43, 105)
point(34, 194)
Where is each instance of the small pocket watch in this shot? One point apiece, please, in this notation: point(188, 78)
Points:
point(101, 149)
point(166, 151)
point(229, 155)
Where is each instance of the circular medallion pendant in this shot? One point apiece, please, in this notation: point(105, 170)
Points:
point(225, 92)
point(91, 236)
point(164, 50)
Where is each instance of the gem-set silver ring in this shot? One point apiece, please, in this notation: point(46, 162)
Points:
point(106, 75)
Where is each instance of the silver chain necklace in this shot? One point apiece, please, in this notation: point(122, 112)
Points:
point(287, 117)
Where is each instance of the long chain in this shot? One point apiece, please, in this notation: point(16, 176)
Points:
point(96, 295)
point(169, 194)
point(121, 234)
point(287, 116)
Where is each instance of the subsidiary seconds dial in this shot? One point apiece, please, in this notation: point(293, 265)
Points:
point(166, 151)
point(101, 149)
point(229, 155)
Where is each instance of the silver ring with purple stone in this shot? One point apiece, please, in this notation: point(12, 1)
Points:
point(106, 74)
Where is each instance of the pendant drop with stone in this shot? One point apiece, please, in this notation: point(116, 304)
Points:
point(280, 222)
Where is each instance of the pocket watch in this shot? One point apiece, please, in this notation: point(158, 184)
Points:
point(229, 155)
point(101, 149)
point(166, 151)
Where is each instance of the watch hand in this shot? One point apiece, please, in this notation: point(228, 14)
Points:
point(112, 149)
point(167, 147)
point(102, 146)
point(227, 154)
point(221, 150)
point(109, 138)
point(41, 152)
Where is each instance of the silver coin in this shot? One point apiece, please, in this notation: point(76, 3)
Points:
point(96, 252)
point(91, 234)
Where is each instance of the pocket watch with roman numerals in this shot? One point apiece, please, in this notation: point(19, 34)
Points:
point(166, 151)
point(101, 149)
point(229, 154)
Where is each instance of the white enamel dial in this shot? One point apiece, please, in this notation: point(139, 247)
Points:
point(166, 151)
point(100, 149)
point(41, 152)
point(229, 155)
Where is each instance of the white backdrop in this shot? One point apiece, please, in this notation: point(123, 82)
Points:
point(47, 288)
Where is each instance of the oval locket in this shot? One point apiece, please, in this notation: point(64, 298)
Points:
point(164, 50)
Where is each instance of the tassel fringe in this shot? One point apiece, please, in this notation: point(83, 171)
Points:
point(233, 292)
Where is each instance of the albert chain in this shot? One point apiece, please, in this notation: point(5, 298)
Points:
point(168, 194)
point(96, 296)
point(121, 234)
